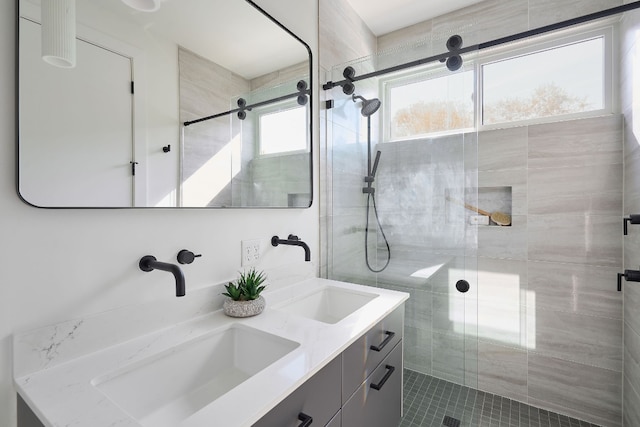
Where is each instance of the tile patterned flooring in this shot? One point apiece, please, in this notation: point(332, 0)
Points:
point(427, 400)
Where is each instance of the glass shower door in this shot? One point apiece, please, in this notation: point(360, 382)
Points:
point(397, 219)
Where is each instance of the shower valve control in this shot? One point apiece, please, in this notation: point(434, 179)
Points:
point(629, 276)
point(633, 219)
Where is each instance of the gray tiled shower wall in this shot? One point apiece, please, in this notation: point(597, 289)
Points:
point(549, 319)
point(630, 52)
point(542, 323)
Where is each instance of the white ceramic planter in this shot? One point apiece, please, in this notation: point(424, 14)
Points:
point(243, 308)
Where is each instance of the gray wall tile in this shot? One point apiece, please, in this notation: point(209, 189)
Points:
point(504, 242)
point(448, 357)
point(501, 280)
point(448, 313)
point(630, 48)
point(584, 142)
point(502, 370)
point(631, 415)
point(595, 189)
point(631, 292)
point(502, 323)
point(545, 12)
point(585, 339)
point(583, 239)
point(585, 392)
point(502, 149)
point(407, 38)
point(417, 348)
point(483, 21)
point(632, 356)
point(343, 35)
point(631, 169)
point(575, 288)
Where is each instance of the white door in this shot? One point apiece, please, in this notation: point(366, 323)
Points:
point(76, 128)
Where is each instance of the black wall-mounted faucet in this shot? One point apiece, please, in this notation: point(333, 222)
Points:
point(187, 257)
point(293, 241)
point(149, 263)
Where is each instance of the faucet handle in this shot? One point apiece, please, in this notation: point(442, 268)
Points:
point(186, 257)
point(293, 237)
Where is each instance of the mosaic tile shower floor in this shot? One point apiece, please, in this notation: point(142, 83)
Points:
point(427, 400)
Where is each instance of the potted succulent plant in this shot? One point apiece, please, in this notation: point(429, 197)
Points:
point(244, 297)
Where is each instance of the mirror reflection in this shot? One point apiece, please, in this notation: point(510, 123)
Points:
point(195, 103)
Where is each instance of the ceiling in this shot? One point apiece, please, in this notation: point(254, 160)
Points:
point(384, 16)
point(231, 33)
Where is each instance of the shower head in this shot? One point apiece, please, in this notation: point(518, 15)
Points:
point(369, 106)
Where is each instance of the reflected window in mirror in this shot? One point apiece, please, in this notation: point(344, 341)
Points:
point(283, 131)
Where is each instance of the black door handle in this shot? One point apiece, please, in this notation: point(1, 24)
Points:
point(386, 341)
point(629, 276)
point(384, 379)
point(462, 286)
point(306, 419)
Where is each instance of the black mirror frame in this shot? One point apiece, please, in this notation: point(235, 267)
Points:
point(311, 104)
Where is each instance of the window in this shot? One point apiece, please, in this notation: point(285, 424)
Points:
point(531, 81)
point(425, 104)
point(283, 131)
point(562, 80)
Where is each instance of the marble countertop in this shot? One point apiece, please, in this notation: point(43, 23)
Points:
point(57, 367)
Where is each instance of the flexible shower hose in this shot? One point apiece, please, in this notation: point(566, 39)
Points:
point(372, 198)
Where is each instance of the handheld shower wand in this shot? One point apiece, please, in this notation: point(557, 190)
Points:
point(369, 107)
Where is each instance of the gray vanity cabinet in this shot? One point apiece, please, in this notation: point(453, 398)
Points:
point(364, 355)
point(318, 398)
point(336, 421)
point(378, 401)
point(362, 387)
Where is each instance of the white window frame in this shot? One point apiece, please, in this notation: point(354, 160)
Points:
point(428, 72)
point(476, 60)
point(548, 42)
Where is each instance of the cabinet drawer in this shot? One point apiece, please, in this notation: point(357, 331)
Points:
point(364, 355)
point(318, 397)
point(378, 402)
point(336, 421)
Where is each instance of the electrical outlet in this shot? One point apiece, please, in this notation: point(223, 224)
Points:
point(250, 252)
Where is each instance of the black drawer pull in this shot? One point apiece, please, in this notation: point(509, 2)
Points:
point(306, 419)
point(384, 379)
point(389, 337)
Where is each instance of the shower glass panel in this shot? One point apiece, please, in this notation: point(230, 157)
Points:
point(402, 164)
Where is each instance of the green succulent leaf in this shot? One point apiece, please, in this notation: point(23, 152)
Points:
point(234, 292)
point(247, 287)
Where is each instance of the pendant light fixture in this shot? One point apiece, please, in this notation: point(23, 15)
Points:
point(143, 5)
point(59, 32)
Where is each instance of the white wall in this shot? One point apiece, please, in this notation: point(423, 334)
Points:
point(62, 264)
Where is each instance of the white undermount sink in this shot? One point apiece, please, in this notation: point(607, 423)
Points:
point(165, 389)
point(330, 304)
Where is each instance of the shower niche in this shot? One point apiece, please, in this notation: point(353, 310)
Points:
point(491, 208)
